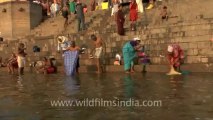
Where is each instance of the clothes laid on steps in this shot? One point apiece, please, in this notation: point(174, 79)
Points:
point(70, 62)
point(51, 70)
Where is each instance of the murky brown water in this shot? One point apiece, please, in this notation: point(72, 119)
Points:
point(186, 97)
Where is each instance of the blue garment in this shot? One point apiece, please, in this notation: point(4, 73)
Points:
point(70, 62)
point(129, 54)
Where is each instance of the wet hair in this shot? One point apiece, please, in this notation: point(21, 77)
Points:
point(72, 43)
point(164, 7)
point(120, 5)
point(21, 45)
point(93, 37)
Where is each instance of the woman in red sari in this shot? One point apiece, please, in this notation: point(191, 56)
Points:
point(133, 13)
point(175, 57)
point(120, 20)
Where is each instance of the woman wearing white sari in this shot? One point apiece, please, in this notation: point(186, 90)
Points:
point(140, 6)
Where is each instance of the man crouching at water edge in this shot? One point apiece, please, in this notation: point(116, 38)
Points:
point(21, 58)
point(175, 57)
point(98, 52)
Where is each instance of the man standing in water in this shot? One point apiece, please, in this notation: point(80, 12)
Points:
point(21, 58)
point(98, 52)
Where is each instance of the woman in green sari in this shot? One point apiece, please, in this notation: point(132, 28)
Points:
point(129, 54)
point(72, 5)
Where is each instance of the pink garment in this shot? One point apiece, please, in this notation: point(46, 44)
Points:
point(175, 58)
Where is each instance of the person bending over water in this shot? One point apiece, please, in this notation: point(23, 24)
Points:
point(129, 54)
point(175, 57)
point(48, 67)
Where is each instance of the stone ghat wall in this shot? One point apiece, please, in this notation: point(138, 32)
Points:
point(18, 17)
point(194, 38)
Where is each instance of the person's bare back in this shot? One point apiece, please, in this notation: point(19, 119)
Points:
point(98, 43)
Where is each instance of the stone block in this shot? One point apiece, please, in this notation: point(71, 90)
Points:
point(197, 33)
point(204, 60)
point(108, 50)
point(158, 30)
point(1, 48)
point(204, 45)
point(184, 46)
point(210, 59)
point(113, 44)
point(206, 52)
point(193, 59)
point(175, 29)
point(192, 52)
point(156, 60)
point(193, 45)
point(185, 39)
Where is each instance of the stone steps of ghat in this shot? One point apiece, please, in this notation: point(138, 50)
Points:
point(193, 36)
point(55, 25)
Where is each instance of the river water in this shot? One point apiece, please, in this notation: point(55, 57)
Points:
point(30, 97)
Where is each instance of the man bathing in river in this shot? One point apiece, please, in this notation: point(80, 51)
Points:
point(98, 52)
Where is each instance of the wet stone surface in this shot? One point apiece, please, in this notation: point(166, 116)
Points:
point(29, 97)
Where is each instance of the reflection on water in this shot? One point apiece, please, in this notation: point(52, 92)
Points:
point(28, 97)
point(19, 83)
point(129, 86)
point(72, 85)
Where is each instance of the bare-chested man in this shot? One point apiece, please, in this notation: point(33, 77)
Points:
point(21, 58)
point(98, 51)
